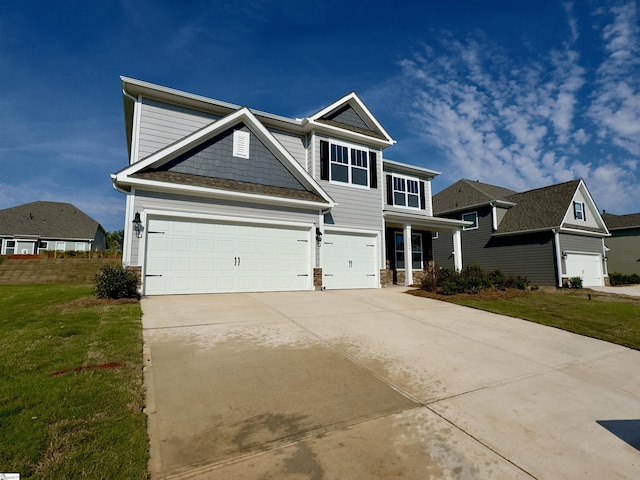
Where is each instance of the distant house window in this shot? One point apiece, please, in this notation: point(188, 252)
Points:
point(406, 192)
point(470, 217)
point(416, 251)
point(434, 235)
point(349, 165)
point(11, 247)
point(241, 143)
point(60, 246)
point(43, 245)
point(578, 211)
point(81, 246)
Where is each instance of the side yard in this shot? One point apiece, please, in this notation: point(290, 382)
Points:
point(610, 317)
point(72, 397)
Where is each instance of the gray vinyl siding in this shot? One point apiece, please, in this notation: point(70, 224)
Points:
point(162, 124)
point(356, 207)
point(348, 116)
point(577, 243)
point(294, 144)
point(531, 255)
point(624, 253)
point(185, 204)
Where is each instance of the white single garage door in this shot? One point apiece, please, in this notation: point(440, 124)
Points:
point(586, 266)
point(198, 256)
point(350, 261)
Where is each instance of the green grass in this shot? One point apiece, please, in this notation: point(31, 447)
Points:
point(83, 422)
point(606, 317)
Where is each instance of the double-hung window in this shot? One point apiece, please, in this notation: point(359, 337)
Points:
point(406, 192)
point(578, 211)
point(349, 165)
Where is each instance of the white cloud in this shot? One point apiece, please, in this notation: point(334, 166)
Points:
point(520, 123)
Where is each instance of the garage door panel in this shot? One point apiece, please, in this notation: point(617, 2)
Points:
point(586, 266)
point(350, 261)
point(190, 256)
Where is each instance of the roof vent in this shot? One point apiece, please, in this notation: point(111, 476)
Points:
point(241, 141)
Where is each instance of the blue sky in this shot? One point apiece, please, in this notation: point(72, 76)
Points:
point(518, 93)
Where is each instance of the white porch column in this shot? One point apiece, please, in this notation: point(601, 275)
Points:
point(408, 256)
point(457, 250)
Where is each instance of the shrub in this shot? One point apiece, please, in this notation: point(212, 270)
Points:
point(622, 279)
point(116, 282)
point(471, 279)
point(575, 282)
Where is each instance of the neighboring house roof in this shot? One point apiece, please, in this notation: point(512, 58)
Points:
point(539, 209)
point(53, 220)
point(620, 222)
point(467, 193)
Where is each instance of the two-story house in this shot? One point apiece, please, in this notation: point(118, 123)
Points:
point(548, 234)
point(224, 198)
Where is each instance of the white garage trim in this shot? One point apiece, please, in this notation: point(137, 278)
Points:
point(238, 226)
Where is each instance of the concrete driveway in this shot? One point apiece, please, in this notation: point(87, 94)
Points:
point(366, 384)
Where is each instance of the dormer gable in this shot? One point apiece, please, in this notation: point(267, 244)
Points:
point(351, 116)
point(582, 212)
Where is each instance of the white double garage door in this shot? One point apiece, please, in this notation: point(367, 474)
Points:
point(204, 256)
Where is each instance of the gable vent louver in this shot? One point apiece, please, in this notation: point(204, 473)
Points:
point(241, 142)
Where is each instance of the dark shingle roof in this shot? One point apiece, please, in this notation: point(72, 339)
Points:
point(225, 184)
point(619, 222)
point(542, 208)
point(465, 193)
point(47, 220)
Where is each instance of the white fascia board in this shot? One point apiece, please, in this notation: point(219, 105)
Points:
point(498, 203)
point(588, 233)
point(583, 186)
point(156, 186)
point(411, 169)
point(341, 133)
point(424, 220)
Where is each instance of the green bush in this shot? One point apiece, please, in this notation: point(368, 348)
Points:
point(116, 282)
point(471, 279)
point(622, 279)
point(575, 282)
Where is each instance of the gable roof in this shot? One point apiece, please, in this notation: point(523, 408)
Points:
point(350, 113)
point(149, 172)
point(468, 193)
point(619, 222)
point(48, 220)
point(539, 209)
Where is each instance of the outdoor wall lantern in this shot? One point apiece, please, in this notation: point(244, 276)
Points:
point(137, 225)
point(318, 236)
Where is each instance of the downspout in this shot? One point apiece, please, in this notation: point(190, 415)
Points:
point(558, 252)
point(494, 216)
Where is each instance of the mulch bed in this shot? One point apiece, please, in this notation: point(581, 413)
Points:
point(487, 294)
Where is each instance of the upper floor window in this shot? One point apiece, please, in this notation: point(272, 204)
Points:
point(578, 211)
point(348, 164)
point(470, 217)
point(406, 192)
point(403, 191)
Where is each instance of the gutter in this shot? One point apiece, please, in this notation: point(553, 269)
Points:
point(558, 252)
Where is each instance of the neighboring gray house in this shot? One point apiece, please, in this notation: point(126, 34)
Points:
point(548, 234)
point(38, 226)
point(223, 198)
point(624, 244)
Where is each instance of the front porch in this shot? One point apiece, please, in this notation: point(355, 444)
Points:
point(408, 246)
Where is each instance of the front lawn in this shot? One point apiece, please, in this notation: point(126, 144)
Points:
point(72, 391)
point(608, 317)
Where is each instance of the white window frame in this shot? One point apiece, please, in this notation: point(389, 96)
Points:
point(475, 221)
point(352, 152)
point(12, 247)
point(414, 243)
point(43, 245)
point(578, 211)
point(396, 180)
point(81, 247)
point(61, 244)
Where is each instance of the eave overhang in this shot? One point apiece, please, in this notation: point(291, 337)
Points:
point(408, 169)
point(488, 203)
point(436, 224)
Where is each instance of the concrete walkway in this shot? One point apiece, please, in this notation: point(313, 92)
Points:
point(631, 290)
point(367, 384)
